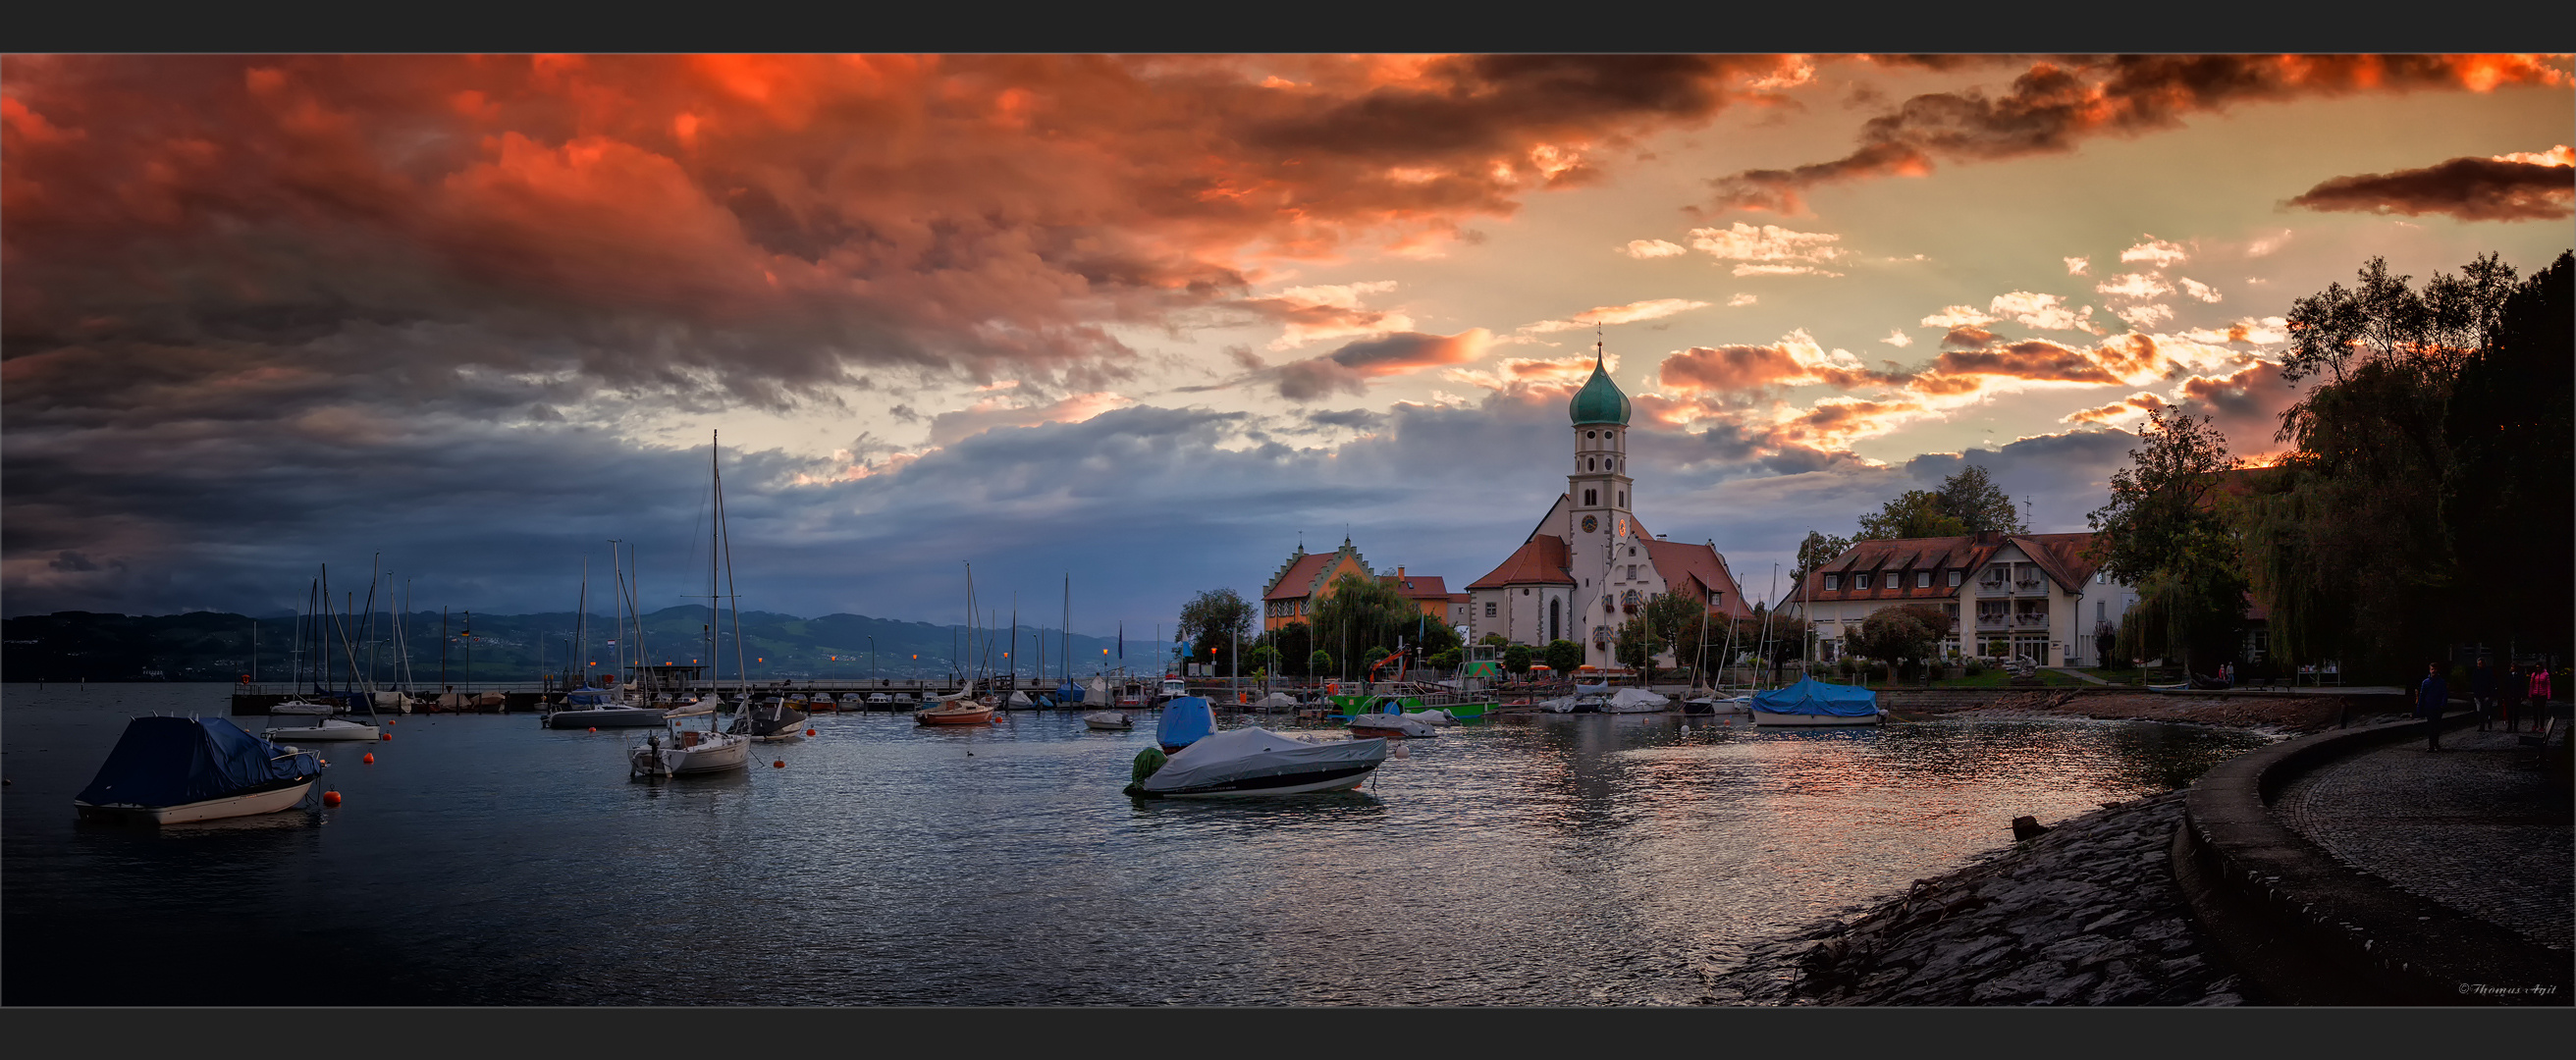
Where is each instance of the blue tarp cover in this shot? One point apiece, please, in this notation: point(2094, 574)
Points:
point(1066, 693)
point(590, 697)
point(177, 761)
point(1184, 721)
point(1811, 696)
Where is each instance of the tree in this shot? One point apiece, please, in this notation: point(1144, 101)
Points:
point(2162, 531)
point(1295, 642)
point(1516, 658)
point(1904, 631)
point(1446, 659)
point(1214, 619)
point(1436, 638)
point(2511, 414)
point(1368, 662)
point(1914, 513)
point(1972, 498)
point(1562, 656)
point(1496, 639)
point(1263, 657)
point(1319, 663)
point(1359, 613)
point(1657, 627)
point(1816, 551)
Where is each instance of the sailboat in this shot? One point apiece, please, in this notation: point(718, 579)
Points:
point(334, 728)
point(590, 707)
point(960, 708)
point(688, 751)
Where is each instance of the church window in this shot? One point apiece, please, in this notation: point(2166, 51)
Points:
point(1623, 498)
point(1592, 434)
point(1489, 608)
point(1555, 627)
point(1591, 498)
point(1592, 465)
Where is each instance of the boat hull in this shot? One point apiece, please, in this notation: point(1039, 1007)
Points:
point(245, 805)
point(1768, 718)
point(1328, 780)
point(325, 733)
point(672, 760)
point(610, 718)
point(969, 716)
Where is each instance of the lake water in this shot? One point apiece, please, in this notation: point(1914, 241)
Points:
point(1565, 860)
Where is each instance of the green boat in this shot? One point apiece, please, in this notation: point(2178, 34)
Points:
point(1355, 704)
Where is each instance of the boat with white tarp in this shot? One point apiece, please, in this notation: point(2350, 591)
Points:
point(1256, 761)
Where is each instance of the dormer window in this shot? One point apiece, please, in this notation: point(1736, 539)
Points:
point(1833, 583)
point(1860, 581)
point(1923, 579)
point(1954, 579)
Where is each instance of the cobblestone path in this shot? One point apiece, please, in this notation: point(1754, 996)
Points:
point(2477, 826)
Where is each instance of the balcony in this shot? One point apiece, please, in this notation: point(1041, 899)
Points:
point(1993, 620)
point(2031, 619)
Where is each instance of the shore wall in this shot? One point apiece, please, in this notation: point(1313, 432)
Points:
point(2308, 930)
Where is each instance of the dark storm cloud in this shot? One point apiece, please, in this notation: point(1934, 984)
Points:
point(2471, 189)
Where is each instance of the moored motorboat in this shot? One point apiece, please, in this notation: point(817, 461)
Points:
point(688, 751)
point(1811, 702)
point(599, 708)
point(304, 707)
point(328, 729)
point(1109, 721)
point(1254, 761)
point(1635, 701)
point(167, 770)
point(1379, 726)
point(1183, 721)
point(769, 718)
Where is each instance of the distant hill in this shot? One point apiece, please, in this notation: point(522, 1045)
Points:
point(217, 646)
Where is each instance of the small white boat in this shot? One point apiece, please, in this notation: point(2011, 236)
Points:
point(176, 770)
point(304, 707)
point(1255, 761)
point(1716, 704)
point(1635, 701)
point(880, 699)
point(329, 729)
point(1109, 721)
point(688, 751)
point(1378, 726)
point(1432, 716)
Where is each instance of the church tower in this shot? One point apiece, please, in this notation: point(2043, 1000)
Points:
point(1601, 529)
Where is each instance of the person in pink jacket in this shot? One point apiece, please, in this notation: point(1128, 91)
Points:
point(2539, 692)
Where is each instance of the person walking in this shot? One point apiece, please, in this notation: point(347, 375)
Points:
point(2430, 698)
point(2482, 693)
point(2509, 693)
point(2539, 695)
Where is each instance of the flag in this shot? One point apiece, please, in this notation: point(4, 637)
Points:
point(1122, 640)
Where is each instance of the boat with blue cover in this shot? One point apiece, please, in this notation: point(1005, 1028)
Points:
point(171, 770)
point(1814, 702)
point(1185, 720)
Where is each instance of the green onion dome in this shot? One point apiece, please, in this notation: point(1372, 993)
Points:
point(1600, 400)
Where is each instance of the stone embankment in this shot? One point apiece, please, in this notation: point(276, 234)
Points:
point(2299, 713)
point(2087, 914)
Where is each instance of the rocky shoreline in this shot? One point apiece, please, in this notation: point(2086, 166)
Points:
point(2086, 914)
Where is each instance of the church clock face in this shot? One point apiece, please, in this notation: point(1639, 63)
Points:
point(1591, 523)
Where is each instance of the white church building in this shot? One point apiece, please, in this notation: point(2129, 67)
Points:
point(1590, 564)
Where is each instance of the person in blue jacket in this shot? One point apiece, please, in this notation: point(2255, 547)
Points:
point(2430, 698)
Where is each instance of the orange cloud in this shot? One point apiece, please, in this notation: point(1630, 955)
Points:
point(1652, 309)
point(1796, 360)
point(2056, 104)
point(1348, 369)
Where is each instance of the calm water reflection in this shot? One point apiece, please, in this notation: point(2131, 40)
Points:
point(1563, 860)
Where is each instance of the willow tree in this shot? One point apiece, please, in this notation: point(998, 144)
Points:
point(1358, 613)
point(2163, 533)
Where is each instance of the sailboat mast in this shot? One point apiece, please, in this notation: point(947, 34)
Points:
point(724, 541)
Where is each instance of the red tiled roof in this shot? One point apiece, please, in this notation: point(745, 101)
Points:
point(1292, 585)
point(1539, 561)
point(1419, 586)
point(1677, 560)
point(2060, 556)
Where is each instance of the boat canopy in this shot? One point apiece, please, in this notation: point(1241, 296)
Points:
point(590, 697)
point(1067, 693)
point(1637, 697)
point(1601, 689)
point(1811, 696)
point(1253, 751)
point(177, 761)
point(1275, 701)
point(1185, 720)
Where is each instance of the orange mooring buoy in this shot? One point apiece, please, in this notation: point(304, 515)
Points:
point(594, 728)
point(330, 798)
point(780, 764)
point(809, 732)
point(370, 759)
point(384, 736)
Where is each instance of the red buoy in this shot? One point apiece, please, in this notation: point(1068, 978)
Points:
point(370, 759)
point(594, 728)
point(809, 732)
point(780, 764)
point(330, 798)
point(384, 736)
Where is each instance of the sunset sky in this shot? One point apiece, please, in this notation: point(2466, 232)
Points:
point(1147, 320)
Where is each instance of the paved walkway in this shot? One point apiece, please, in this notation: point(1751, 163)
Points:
point(2479, 827)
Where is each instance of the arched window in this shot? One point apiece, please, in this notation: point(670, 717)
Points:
point(1592, 465)
point(1555, 620)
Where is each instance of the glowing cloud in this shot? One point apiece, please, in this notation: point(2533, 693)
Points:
point(1652, 248)
point(1741, 299)
point(1898, 338)
point(2523, 186)
point(2134, 285)
point(1652, 309)
point(1348, 369)
point(1957, 316)
point(2200, 290)
point(1769, 250)
point(2157, 253)
point(2078, 266)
